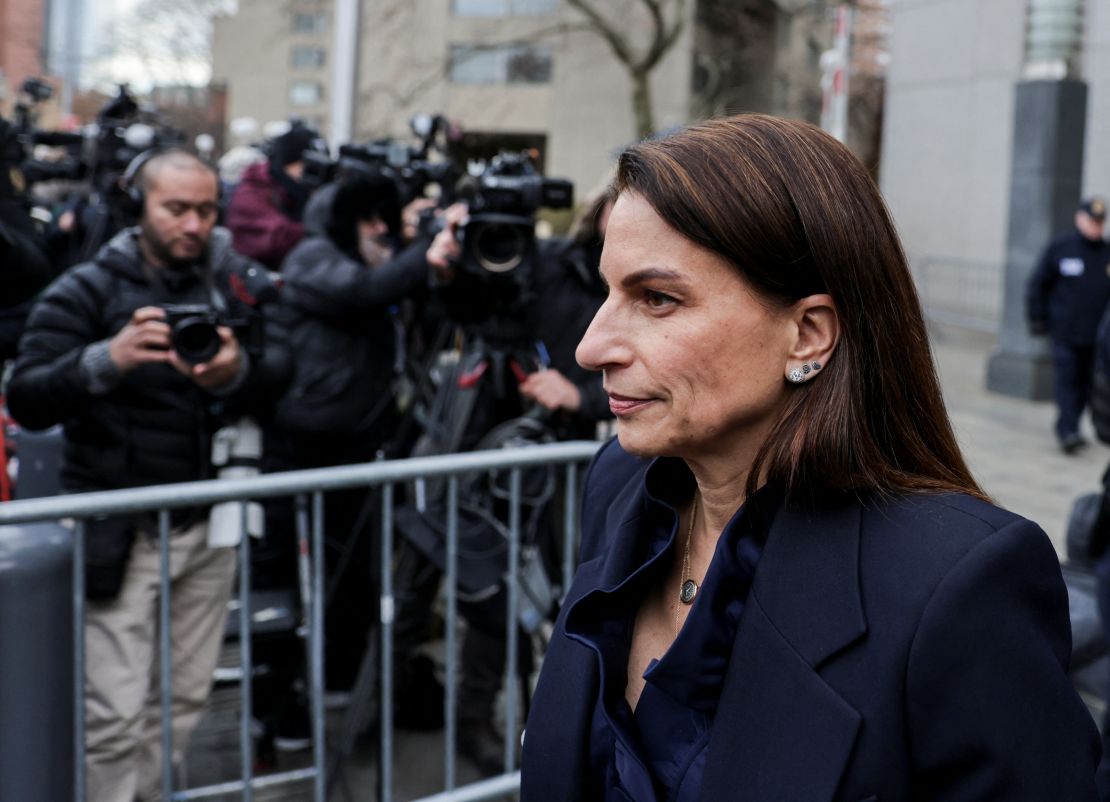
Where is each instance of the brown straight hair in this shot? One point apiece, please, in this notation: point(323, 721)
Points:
point(797, 214)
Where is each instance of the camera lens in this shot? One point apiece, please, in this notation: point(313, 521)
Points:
point(195, 340)
point(499, 247)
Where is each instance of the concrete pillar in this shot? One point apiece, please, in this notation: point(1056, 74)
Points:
point(1050, 120)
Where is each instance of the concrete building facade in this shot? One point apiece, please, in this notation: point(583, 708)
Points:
point(273, 57)
point(948, 141)
point(522, 71)
point(528, 73)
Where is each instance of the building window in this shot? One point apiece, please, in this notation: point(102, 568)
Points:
point(503, 8)
point(310, 22)
point(500, 64)
point(307, 56)
point(305, 93)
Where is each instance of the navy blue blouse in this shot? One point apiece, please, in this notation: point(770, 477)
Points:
point(657, 754)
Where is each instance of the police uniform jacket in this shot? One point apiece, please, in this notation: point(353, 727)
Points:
point(906, 647)
point(1070, 288)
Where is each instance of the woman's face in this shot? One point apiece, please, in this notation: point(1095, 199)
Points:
point(694, 362)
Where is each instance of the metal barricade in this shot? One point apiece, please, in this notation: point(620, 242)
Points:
point(302, 485)
point(960, 292)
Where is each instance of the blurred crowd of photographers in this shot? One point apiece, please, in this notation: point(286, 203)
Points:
point(417, 313)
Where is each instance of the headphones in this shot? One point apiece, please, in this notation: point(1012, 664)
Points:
point(131, 181)
point(132, 185)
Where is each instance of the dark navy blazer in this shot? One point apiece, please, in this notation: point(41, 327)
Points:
point(901, 648)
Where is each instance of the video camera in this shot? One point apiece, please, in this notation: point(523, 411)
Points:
point(98, 153)
point(498, 237)
point(408, 165)
point(19, 136)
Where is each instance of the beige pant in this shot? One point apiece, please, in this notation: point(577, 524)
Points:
point(122, 684)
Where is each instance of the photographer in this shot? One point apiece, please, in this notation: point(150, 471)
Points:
point(24, 266)
point(341, 284)
point(25, 270)
point(100, 357)
point(568, 293)
point(265, 210)
point(555, 308)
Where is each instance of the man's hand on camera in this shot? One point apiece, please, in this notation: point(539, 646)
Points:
point(220, 369)
point(444, 249)
point(552, 390)
point(144, 340)
point(410, 217)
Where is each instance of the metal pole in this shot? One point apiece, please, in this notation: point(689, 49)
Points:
point(386, 613)
point(570, 525)
point(164, 652)
point(71, 59)
point(246, 746)
point(79, 661)
point(495, 788)
point(316, 637)
point(344, 74)
point(451, 593)
point(836, 64)
point(511, 647)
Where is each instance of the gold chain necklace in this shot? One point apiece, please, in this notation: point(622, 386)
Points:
point(688, 589)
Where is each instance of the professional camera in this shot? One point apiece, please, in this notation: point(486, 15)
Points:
point(193, 331)
point(498, 238)
point(406, 165)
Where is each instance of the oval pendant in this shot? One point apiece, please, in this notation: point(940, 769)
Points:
point(688, 592)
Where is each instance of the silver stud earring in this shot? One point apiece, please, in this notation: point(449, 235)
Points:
point(816, 365)
point(796, 376)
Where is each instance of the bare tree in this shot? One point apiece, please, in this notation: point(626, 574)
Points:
point(169, 38)
point(668, 18)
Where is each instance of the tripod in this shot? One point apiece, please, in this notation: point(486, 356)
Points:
point(476, 385)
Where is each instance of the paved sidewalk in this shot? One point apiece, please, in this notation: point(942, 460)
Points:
point(1009, 443)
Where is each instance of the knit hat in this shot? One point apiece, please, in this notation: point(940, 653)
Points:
point(290, 146)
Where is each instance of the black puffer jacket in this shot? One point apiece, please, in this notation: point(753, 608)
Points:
point(152, 425)
point(567, 295)
point(343, 334)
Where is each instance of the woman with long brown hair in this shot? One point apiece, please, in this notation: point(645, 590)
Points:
point(791, 586)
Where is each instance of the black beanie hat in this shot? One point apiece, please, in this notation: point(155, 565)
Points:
point(290, 146)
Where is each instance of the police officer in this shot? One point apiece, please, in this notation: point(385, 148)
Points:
point(1066, 296)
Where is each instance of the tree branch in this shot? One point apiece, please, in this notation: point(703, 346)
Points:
point(664, 38)
point(601, 26)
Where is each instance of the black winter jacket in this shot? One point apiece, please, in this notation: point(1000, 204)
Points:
point(1069, 289)
point(340, 327)
point(568, 294)
point(152, 425)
